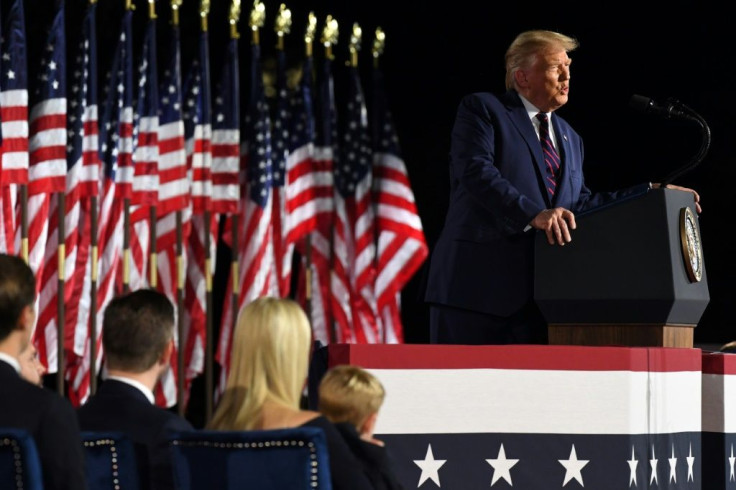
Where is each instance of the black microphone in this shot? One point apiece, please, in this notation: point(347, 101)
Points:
point(671, 109)
point(675, 109)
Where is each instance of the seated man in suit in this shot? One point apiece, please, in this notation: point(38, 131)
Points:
point(137, 337)
point(48, 417)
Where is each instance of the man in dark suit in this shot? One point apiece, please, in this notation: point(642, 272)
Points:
point(137, 337)
point(48, 417)
point(515, 167)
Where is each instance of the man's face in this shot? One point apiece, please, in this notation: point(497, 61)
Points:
point(548, 80)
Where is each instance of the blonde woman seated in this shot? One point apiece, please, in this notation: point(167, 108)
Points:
point(268, 371)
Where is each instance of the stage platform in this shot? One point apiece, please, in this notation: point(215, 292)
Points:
point(545, 417)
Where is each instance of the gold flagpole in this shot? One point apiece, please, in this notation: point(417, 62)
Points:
point(330, 34)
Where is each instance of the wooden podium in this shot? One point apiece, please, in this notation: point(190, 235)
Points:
point(633, 275)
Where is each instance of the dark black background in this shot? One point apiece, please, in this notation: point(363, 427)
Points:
point(436, 54)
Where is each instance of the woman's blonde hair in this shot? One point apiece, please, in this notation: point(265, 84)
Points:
point(269, 361)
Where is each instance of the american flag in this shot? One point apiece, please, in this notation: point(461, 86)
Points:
point(402, 247)
point(257, 261)
point(14, 122)
point(116, 136)
point(173, 195)
point(354, 246)
point(282, 250)
point(173, 192)
point(145, 158)
point(200, 261)
point(322, 180)
point(47, 173)
point(226, 135)
point(226, 148)
point(306, 195)
point(82, 180)
point(83, 163)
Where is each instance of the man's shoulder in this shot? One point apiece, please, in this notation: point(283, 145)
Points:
point(490, 102)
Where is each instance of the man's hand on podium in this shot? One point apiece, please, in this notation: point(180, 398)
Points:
point(696, 196)
point(556, 224)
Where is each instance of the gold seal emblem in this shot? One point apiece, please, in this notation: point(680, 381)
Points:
point(692, 251)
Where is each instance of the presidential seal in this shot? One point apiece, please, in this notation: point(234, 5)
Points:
point(692, 251)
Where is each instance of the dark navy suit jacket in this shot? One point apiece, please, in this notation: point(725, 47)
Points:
point(484, 260)
point(117, 406)
point(49, 418)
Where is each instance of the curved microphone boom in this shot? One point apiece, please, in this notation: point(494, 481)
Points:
point(677, 110)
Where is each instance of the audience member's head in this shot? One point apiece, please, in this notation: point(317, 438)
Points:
point(31, 369)
point(269, 362)
point(137, 332)
point(17, 298)
point(351, 394)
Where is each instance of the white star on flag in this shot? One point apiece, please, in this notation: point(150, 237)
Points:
point(633, 463)
point(653, 464)
point(502, 467)
point(573, 466)
point(731, 461)
point(673, 463)
point(430, 467)
point(690, 460)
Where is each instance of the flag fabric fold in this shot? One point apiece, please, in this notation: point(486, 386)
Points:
point(354, 247)
point(46, 175)
point(116, 153)
point(13, 125)
point(321, 193)
point(402, 247)
point(256, 254)
point(201, 243)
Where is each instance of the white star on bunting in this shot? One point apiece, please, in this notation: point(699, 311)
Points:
point(653, 464)
point(633, 463)
point(502, 467)
point(690, 460)
point(430, 467)
point(573, 467)
point(673, 463)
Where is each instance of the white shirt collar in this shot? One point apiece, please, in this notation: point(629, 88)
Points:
point(144, 389)
point(532, 112)
point(10, 360)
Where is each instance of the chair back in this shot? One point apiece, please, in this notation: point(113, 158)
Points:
point(278, 459)
point(109, 461)
point(20, 466)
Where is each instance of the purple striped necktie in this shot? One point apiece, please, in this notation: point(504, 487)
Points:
point(551, 157)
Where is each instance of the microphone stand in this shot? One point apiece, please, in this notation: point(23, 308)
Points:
point(691, 115)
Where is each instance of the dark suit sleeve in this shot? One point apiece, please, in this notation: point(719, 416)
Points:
point(376, 460)
point(484, 169)
point(60, 447)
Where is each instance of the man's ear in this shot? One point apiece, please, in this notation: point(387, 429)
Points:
point(368, 425)
point(520, 78)
point(165, 357)
point(27, 318)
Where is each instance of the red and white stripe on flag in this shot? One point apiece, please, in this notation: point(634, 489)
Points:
point(14, 149)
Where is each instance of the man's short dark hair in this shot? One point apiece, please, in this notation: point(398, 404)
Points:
point(136, 328)
point(17, 290)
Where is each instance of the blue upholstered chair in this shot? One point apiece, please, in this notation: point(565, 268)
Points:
point(109, 461)
point(279, 459)
point(20, 467)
